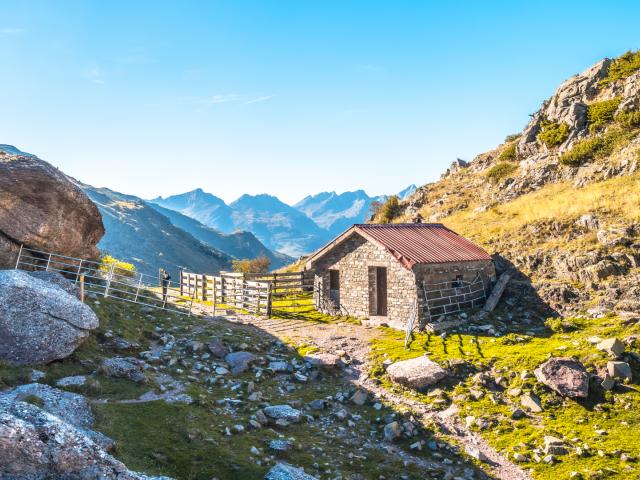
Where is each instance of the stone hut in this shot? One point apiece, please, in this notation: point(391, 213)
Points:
point(395, 272)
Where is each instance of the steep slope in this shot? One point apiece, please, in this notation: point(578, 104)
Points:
point(202, 206)
point(560, 201)
point(277, 225)
point(238, 244)
point(137, 233)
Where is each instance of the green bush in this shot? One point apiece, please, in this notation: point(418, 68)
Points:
point(501, 170)
point(622, 67)
point(629, 119)
point(259, 264)
point(598, 147)
point(600, 114)
point(389, 210)
point(508, 153)
point(552, 133)
point(512, 138)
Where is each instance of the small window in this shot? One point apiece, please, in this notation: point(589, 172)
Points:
point(457, 283)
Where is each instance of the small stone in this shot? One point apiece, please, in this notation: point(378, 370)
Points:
point(392, 431)
point(612, 346)
point(360, 397)
point(75, 381)
point(475, 452)
point(341, 414)
point(620, 370)
point(518, 413)
point(278, 366)
point(37, 375)
point(549, 459)
point(221, 371)
point(608, 382)
point(531, 402)
point(554, 445)
point(283, 412)
point(519, 457)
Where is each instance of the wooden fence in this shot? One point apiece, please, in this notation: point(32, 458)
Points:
point(258, 293)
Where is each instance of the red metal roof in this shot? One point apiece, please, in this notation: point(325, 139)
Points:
point(414, 243)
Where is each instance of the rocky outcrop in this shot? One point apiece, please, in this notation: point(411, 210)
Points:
point(416, 373)
point(284, 471)
point(124, 367)
point(39, 321)
point(566, 376)
point(36, 445)
point(42, 209)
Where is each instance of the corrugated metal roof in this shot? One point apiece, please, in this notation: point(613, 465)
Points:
point(414, 243)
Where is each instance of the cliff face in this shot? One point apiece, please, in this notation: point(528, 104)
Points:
point(559, 200)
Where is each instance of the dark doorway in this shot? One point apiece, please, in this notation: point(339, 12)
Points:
point(334, 287)
point(381, 291)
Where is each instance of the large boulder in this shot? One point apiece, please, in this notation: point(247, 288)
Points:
point(284, 471)
point(416, 373)
point(36, 445)
point(42, 209)
point(566, 376)
point(39, 321)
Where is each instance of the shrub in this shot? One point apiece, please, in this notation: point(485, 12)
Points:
point(508, 153)
point(256, 265)
point(564, 325)
point(598, 147)
point(600, 114)
point(622, 67)
point(512, 138)
point(552, 133)
point(389, 210)
point(122, 268)
point(501, 170)
point(629, 119)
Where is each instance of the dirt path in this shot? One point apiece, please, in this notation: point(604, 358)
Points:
point(355, 341)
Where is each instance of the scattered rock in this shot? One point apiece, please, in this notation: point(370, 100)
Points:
point(124, 367)
point(554, 445)
point(475, 452)
point(608, 382)
point(566, 376)
point(531, 402)
point(392, 431)
point(360, 397)
point(620, 370)
point(284, 471)
point(278, 366)
point(283, 412)
point(217, 348)
point(416, 373)
point(239, 361)
point(612, 346)
point(74, 381)
point(323, 359)
point(39, 321)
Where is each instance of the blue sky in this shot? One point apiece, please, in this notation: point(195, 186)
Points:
point(285, 97)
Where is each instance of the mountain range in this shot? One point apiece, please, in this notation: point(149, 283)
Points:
point(294, 230)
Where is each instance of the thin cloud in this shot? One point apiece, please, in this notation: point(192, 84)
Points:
point(259, 99)
point(95, 74)
point(7, 31)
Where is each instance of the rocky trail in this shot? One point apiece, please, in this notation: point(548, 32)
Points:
point(352, 342)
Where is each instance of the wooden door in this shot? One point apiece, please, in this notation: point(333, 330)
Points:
point(334, 287)
point(381, 291)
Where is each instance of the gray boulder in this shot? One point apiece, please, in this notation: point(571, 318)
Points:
point(42, 209)
point(59, 280)
point(69, 407)
point(124, 367)
point(416, 373)
point(619, 370)
point(39, 321)
point(239, 361)
point(284, 471)
point(566, 376)
point(283, 412)
point(36, 445)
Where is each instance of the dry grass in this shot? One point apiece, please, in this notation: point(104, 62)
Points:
point(619, 197)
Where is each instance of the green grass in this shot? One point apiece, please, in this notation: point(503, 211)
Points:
point(598, 147)
point(508, 153)
point(622, 67)
point(617, 413)
point(629, 119)
point(600, 114)
point(553, 133)
point(501, 171)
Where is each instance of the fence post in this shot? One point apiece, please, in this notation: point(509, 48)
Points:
point(181, 283)
point(259, 300)
point(19, 255)
point(48, 262)
point(214, 295)
point(138, 289)
point(269, 300)
point(204, 288)
point(106, 290)
point(82, 287)
point(79, 270)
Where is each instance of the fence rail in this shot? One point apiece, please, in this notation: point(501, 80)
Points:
point(259, 293)
point(109, 280)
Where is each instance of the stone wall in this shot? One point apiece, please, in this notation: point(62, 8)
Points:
point(353, 259)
